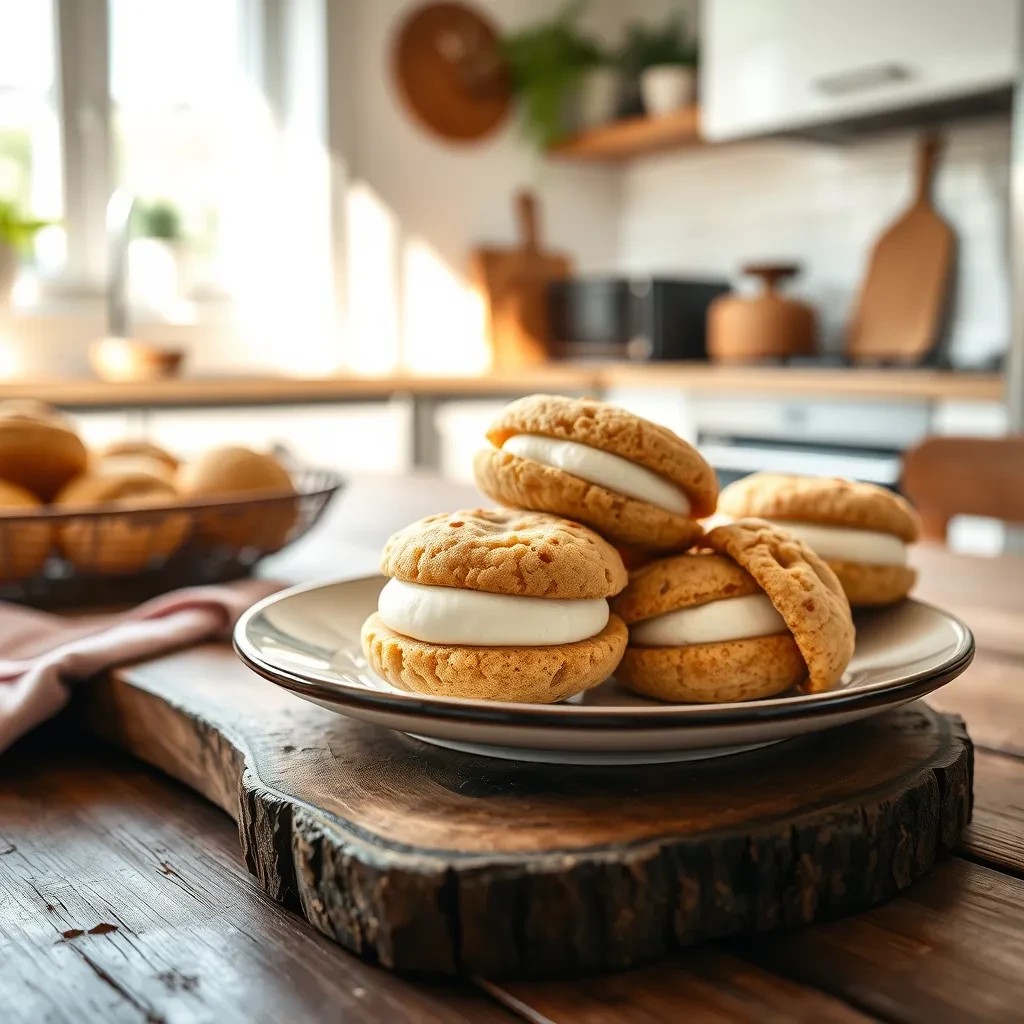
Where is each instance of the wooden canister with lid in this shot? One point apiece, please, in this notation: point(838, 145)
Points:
point(745, 328)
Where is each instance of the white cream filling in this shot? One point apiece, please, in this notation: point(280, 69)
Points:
point(448, 615)
point(602, 468)
point(733, 618)
point(844, 544)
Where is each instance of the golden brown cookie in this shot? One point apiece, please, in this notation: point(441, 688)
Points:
point(732, 670)
point(682, 581)
point(524, 482)
point(833, 502)
point(39, 449)
point(505, 551)
point(803, 589)
point(114, 543)
point(869, 586)
point(24, 545)
point(827, 500)
point(534, 675)
point(234, 472)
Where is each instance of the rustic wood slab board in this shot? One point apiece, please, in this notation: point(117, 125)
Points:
point(429, 860)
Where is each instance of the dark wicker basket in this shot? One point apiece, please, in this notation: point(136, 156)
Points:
point(57, 558)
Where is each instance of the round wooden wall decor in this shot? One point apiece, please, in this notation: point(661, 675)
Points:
point(449, 71)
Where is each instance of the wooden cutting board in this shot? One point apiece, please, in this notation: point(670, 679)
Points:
point(513, 281)
point(899, 313)
point(424, 859)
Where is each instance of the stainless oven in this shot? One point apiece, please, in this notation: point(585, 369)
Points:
point(859, 440)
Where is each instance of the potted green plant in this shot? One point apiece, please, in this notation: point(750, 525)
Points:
point(157, 254)
point(16, 234)
point(664, 60)
point(548, 63)
point(157, 219)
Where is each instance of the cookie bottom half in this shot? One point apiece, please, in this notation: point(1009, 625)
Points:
point(874, 585)
point(531, 675)
point(733, 670)
point(524, 483)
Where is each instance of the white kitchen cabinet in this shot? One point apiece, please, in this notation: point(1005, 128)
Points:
point(773, 65)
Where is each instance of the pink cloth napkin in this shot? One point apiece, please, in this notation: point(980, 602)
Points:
point(43, 655)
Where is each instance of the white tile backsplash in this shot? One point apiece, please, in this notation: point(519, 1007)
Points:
point(823, 205)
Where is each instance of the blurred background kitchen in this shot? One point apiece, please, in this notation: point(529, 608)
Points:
point(358, 227)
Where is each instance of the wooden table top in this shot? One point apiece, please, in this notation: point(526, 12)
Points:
point(93, 842)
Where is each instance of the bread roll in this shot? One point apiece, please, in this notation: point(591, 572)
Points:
point(135, 456)
point(120, 544)
point(238, 472)
point(23, 546)
point(39, 449)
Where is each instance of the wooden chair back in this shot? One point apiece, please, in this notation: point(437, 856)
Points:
point(979, 476)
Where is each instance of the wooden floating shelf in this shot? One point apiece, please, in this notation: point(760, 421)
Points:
point(633, 136)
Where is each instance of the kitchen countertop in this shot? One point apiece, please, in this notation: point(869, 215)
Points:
point(588, 378)
point(127, 896)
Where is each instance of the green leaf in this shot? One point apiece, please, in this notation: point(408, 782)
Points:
point(546, 61)
point(17, 230)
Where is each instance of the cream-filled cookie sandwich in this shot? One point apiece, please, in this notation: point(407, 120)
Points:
point(754, 615)
point(861, 530)
point(496, 604)
point(633, 481)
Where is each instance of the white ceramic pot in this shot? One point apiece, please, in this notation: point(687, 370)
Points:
point(598, 97)
point(8, 273)
point(666, 88)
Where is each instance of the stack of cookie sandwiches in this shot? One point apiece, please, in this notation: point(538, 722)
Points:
point(513, 603)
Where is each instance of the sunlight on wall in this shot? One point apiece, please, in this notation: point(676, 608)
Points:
point(443, 317)
point(279, 252)
point(372, 260)
point(10, 363)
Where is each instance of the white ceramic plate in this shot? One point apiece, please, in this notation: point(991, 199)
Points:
point(307, 640)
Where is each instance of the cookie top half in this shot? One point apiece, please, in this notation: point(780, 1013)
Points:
point(505, 551)
point(803, 589)
point(613, 430)
point(682, 581)
point(828, 500)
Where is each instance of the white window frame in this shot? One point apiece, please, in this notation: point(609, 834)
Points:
point(82, 28)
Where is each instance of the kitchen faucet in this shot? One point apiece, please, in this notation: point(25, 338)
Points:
point(119, 229)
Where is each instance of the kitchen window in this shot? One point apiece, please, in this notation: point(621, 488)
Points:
point(30, 164)
point(185, 106)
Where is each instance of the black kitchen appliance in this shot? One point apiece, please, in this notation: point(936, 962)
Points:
point(630, 317)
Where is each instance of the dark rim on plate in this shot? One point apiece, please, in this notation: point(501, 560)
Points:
point(547, 716)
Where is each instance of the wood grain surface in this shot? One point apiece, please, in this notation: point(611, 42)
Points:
point(706, 985)
point(952, 949)
point(946, 950)
point(124, 899)
point(429, 860)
